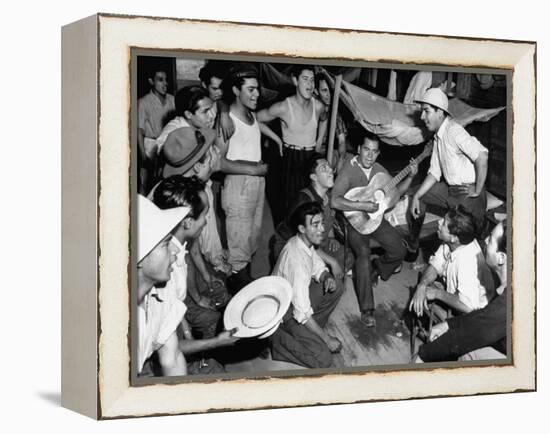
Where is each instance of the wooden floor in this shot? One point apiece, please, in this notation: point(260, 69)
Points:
point(386, 344)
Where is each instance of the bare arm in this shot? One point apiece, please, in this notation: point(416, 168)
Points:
point(225, 338)
point(321, 132)
point(276, 111)
point(405, 184)
point(428, 183)
point(450, 300)
point(171, 359)
point(419, 301)
point(268, 132)
point(333, 344)
point(237, 167)
point(343, 204)
point(481, 165)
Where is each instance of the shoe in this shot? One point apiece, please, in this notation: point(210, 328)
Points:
point(374, 273)
point(412, 246)
point(368, 318)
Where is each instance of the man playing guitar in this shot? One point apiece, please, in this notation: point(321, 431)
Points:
point(358, 172)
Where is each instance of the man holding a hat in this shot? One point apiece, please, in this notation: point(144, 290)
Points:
point(158, 318)
point(458, 168)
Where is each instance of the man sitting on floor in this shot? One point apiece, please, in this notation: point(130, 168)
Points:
point(460, 262)
point(478, 334)
point(301, 338)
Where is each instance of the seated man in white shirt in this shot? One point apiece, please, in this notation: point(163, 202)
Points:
point(460, 262)
point(301, 338)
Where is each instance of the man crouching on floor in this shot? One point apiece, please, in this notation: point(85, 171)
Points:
point(301, 338)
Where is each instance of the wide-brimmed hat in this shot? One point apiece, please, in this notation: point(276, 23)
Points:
point(259, 307)
point(155, 223)
point(435, 97)
point(184, 147)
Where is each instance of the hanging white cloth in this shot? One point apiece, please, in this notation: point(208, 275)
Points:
point(419, 84)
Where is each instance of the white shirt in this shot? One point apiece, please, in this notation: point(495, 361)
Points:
point(460, 271)
point(245, 144)
point(209, 238)
point(175, 124)
point(298, 264)
point(454, 154)
point(158, 318)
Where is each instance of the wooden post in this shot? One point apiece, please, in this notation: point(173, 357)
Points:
point(333, 118)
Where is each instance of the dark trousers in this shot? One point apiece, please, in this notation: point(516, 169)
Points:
point(293, 176)
point(394, 252)
point(294, 342)
point(477, 329)
point(438, 200)
point(205, 323)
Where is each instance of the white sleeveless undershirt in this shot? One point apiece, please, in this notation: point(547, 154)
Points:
point(245, 143)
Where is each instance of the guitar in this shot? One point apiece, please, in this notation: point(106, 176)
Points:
point(382, 189)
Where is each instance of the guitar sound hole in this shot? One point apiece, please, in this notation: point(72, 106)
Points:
point(379, 195)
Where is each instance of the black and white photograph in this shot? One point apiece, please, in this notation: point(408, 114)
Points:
point(297, 217)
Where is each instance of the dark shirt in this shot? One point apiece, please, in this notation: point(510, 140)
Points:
point(308, 194)
point(351, 175)
point(480, 328)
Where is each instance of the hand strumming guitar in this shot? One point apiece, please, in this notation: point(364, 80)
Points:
point(369, 206)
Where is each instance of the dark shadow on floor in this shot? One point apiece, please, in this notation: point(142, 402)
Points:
point(53, 398)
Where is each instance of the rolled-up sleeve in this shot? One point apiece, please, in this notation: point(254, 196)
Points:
point(319, 266)
point(296, 269)
point(469, 145)
point(438, 260)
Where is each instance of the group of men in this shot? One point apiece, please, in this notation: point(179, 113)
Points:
point(216, 127)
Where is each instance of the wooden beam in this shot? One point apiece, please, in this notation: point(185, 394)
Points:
point(333, 118)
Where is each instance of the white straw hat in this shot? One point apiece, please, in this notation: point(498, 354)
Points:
point(259, 307)
point(435, 97)
point(154, 224)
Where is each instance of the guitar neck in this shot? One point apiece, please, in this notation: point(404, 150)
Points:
point(404, 173)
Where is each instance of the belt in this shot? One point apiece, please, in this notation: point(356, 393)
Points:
point(299, 148)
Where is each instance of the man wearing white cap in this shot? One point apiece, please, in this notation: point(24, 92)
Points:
point(458, 158)
point(158, 319)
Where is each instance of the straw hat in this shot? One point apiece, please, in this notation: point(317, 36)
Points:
point(154, 224)
point(259, 307)
point(435, 97)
